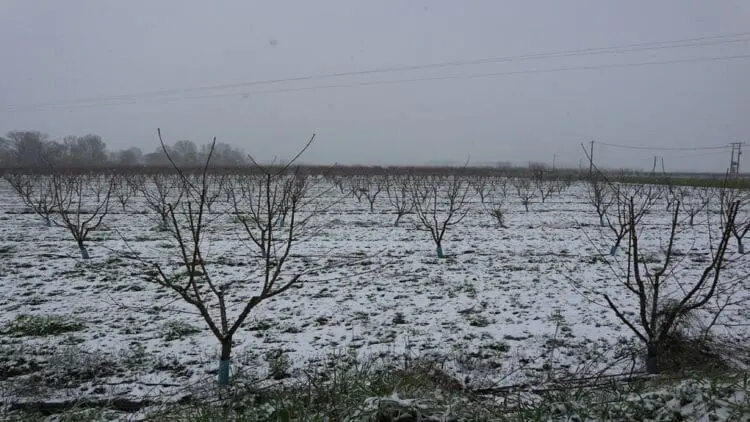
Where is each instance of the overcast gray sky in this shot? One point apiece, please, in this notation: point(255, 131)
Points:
point(55, 52)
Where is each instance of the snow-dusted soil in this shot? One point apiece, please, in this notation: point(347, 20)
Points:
point(507, 305)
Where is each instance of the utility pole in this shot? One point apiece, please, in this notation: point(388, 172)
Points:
point(591, 159)
point(734, 163)
point(554, 159)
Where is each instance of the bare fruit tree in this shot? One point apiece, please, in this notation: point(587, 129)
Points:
point(160, 190)
point(36, 192)
point(694, 200)
point(397, 191)
point(739, 224)
point(620, 221)
point(259, 202)
point(439, 202)
point(369, 186)
point(544, 185)
point(525, 191)
point(600, 196)
point(663, 297)
point(494, 201)
point(125, 188)
point(482, 185)
point(82, 202)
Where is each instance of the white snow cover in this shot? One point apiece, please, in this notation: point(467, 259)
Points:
point(507, 305)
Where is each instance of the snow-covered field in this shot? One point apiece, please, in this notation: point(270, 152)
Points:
point(507, 305)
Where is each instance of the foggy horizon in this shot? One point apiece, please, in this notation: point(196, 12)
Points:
point(389, 83)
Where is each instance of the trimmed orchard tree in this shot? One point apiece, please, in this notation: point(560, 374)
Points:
point(600, 196)
point(740, 223)
point(620, 221)
point(82, 202)
point(125, 188)
point(663, 297)
point(259, 202)
point(370, 186)
point(397, 191)
point(525, 191)
point(545, 185)
point(439, 202)
point(494, 201)
point(694, 200)
point(36, 192)
point(482, 185)
point(160, 190)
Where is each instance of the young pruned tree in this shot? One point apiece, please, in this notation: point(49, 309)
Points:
point(258, 202)
point(36, 192)
point(600, 196)
point(482, 185)
point(664, 298)
point(495, 208)
point(368, 186)
point(621, 222)
point(160, 190)
point(545, 185)
point(125, 188)
point(739, 224)
point(494, 200)
point(694, 200)
point(397, 191)
point(525, 191)
point(439, 203)
point(82, 201)
point(501, 186)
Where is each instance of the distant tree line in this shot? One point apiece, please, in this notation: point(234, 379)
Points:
point(34, 149)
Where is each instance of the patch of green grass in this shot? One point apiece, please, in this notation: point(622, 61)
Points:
point(42, 325)
point(175, 330)
point(717, 181)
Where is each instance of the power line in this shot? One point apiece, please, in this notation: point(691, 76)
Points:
point(699, 155)
point(723, 147)
point(623, 48)
point(383, 82)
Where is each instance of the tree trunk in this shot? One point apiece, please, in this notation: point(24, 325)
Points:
point(398, 218)
point(652, 360)
point(226, 353)
point(440, 250)
point(48, 220)
point(84, 251)
point(613, 250)
point(601, 220)
point(740, 247)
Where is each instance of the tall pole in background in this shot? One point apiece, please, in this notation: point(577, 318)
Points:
point(591, 159)
point(734, 163)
